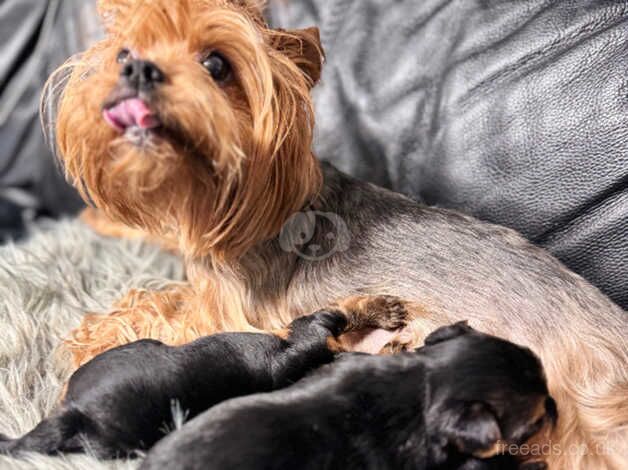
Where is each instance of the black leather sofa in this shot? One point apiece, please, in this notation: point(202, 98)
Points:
point(36, 36)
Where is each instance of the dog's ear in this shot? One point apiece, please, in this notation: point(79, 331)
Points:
point(472, 428)
point(448, 332)
point(303, 47)
point(111, 10)
point(257, 6)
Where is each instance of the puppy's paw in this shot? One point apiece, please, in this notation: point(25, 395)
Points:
point(332, 321)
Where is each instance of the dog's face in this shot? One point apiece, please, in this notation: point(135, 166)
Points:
point(193, 119)
point(487, 395)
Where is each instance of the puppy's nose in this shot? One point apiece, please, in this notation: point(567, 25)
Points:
point(142, 75)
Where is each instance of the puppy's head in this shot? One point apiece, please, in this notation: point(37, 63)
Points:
point(192, 119)
point(487, 395)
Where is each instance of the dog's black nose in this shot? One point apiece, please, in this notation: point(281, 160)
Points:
point(142, 75)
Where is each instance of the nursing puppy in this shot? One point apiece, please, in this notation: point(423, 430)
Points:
point(458, 402)
point(122, 400)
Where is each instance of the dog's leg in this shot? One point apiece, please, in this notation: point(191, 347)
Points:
point(163, 315)
point(98, 221)
point(378, 323)
point(103, 225)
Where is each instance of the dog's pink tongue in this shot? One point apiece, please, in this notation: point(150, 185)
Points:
point(129, 113)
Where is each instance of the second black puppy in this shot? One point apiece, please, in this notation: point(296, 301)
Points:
point(456, 403)
point(120, 401)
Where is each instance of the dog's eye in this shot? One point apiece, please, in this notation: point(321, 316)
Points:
point(123, 56)
point(217, 66)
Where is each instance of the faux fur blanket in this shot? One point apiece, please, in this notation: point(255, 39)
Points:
point(46, 283)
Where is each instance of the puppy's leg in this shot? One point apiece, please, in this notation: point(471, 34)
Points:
point(317, 327)
point(162, 315)
point(310, 344)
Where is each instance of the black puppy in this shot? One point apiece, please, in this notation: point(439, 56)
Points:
point(120, 401)
point(451, 404)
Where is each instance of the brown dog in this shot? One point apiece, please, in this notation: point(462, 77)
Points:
point(192, 121)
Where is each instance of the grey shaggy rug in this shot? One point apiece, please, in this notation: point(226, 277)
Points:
point(46, 284)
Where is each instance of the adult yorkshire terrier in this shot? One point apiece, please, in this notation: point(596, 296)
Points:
point(192, 121)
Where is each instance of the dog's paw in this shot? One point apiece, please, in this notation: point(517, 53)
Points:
point(374, 311)
point(389, 312)
point(402, 342)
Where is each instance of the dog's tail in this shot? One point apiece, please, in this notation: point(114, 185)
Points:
point(591, 386)
point(50, 436)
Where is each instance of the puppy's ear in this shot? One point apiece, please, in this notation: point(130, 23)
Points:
point(472, 428)
point(303, 47)
point(448, 332)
